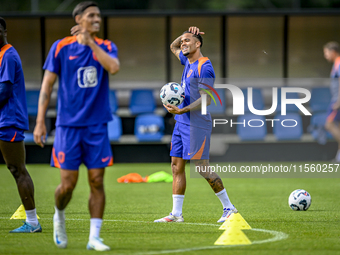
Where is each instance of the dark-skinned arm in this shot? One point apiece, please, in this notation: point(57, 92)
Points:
point(109, 63)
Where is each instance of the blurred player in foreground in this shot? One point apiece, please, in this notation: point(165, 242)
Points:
point(13, 122)
point(82, 63)
point(189, 121)
point(332, 54)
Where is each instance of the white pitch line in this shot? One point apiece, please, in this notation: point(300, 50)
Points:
point(277, 236)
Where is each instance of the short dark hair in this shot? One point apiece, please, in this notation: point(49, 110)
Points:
point(332, 46)
point(199, 37)
point(3, 22)
point(82, 6)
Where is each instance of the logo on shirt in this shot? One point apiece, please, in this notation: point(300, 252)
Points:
point(72, 57)
point(189, 73)
point(87, 77)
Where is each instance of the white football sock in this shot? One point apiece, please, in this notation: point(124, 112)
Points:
point(31, 217)
point(95, 227)
point(177, 205)
point(223, 196)
point(337, 157)
point(59, 215)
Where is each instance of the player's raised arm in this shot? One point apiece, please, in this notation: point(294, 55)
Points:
point(109, 63)
point(175, 46)
point(44, 99)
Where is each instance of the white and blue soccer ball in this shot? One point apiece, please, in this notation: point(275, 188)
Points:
point(299, 200)
point(172, 93)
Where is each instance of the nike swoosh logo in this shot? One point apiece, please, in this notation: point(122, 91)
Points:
point(190, 153)
point(72, 57)
point(105, 159)
point(35, 230)
point(56, 239)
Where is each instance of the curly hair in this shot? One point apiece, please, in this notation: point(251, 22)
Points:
point(199, 37)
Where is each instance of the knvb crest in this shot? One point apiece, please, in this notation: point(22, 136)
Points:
point(87, 77)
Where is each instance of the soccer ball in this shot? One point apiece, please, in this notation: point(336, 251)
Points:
point(299, 200)
point(172, 93)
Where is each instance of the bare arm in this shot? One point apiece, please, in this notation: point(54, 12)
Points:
point(175, 46)
point(110, 64)
point(194, 106)
point(44, 99)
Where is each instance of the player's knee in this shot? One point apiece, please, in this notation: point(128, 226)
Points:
point(68, 187)
point(97, 182)
point(17, 171)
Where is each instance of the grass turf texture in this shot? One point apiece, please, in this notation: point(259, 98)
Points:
point(128, 227)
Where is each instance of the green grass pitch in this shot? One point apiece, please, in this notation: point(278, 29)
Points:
point(128, 226)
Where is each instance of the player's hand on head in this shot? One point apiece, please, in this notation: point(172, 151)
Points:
point(39, 134)
point(195, 31)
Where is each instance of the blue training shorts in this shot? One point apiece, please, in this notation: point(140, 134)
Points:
point(75, 145)
point(332, 115)
point(189, 142)
point(11, 134)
